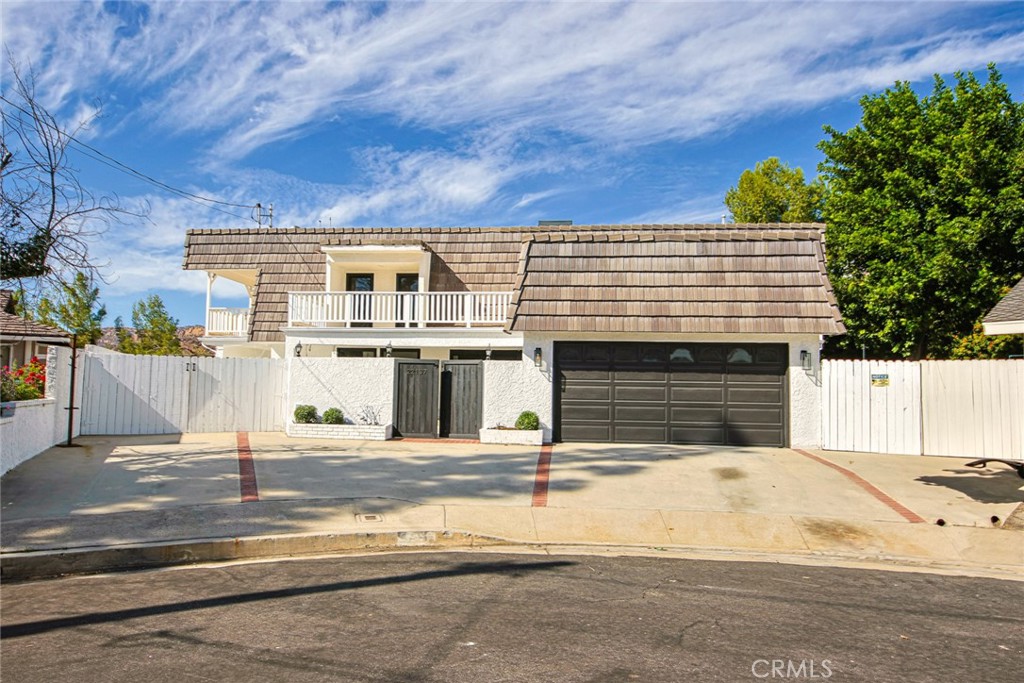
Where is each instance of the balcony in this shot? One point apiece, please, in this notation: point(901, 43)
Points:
point(227, 322)
point(345, 309)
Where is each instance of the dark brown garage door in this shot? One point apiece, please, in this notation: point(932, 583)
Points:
point(725, 394)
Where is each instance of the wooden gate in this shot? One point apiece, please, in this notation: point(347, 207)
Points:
point(462, 398)
point(125, 394)
point(416, 398)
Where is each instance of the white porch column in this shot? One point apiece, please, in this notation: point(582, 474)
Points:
point(210, 277)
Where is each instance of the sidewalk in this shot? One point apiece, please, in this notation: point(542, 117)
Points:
point(149, 501)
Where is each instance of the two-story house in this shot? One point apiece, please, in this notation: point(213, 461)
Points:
point(639, 333)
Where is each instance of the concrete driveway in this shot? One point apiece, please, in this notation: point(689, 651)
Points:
point(252, 495)
point(781, 481)
point(119, 474)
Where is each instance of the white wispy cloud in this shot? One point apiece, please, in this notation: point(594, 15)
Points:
point(620, 73)
point(526, 91)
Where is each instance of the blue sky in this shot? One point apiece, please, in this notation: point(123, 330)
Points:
point(443, 113)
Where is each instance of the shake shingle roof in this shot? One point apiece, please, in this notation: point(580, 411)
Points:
point(14, 327)
point(600, 273)
point(1010, 308)
point(752, 281)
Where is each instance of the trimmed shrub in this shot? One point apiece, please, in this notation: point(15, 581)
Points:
point(527, 420)
point(306, 414)
point(333, 416)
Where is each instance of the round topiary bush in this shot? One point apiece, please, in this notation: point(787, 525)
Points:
point(306, 415)
point(333, 416)
point(528, 420)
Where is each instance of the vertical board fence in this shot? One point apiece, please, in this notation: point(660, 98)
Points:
point(973, 408)
point(967, 409)
point(125, 394)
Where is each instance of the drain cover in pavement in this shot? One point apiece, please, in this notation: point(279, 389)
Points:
point(369, 518)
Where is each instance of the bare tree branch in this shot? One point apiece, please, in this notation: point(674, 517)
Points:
point(48, 217)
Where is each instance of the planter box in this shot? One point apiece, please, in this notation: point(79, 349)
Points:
point(513, 437)
point(346, 432)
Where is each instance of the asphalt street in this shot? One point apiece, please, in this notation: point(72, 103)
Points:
point(476, 617)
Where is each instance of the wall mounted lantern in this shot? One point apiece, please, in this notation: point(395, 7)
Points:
point(487, 354)
point(387, 350)
point(298, 349)
point(538, 358)
point(805, 360)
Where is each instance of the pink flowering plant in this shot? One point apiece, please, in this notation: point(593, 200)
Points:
point(25, 383)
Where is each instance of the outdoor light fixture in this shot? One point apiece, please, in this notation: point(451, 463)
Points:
point(805, 360)
point(387, 350)
point(487, 354)
point(538, 358)
point(298, 349)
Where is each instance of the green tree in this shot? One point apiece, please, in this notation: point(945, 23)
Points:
point(925, 214)
point(155, 331)
point(774, 193)
point(76, 310)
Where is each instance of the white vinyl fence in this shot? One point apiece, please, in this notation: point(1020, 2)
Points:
point(967, 409)
point(126, 394)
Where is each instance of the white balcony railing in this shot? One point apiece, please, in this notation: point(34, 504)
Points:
point(323, 309)
point(227, 322)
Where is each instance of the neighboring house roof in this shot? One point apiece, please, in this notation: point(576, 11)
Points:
point(1007, 317)
point(15, 328)
point(761, 285)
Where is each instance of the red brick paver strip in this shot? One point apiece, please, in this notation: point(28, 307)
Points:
point(246, 471)
point(880, 495)
point(540, 480)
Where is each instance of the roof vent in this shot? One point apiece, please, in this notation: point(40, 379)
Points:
point(552, 224)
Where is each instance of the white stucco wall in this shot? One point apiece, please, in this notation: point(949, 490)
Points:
point(253, 350)
point(38, 425)
point(511, 387)
point(805, 395)
point(27, 433)
point(345, 383)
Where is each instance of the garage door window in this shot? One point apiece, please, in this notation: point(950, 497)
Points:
point(681, 354)
point(710, 354)
point(740, 356)
point(652, 354)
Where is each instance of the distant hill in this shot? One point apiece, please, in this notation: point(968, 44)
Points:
point(189, 337)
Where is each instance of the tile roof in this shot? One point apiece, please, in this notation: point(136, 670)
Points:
point(488, 259)
point(1010, 308)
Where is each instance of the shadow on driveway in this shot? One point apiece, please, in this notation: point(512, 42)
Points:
point(1003, 486)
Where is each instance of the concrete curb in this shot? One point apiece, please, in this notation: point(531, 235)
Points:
point(44, 564)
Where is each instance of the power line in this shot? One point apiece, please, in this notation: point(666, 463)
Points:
point(107, 160)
